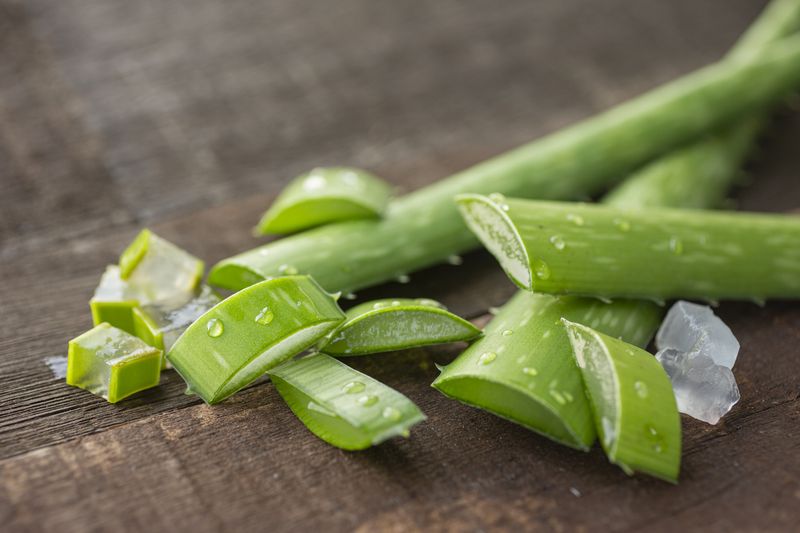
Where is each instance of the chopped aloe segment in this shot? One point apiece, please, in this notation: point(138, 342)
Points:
point(397, 324)
point(243, 336)
point(159, 270)
point(521, 369)
point(634, 409)
point(657, 253)
point(342, 406)
point(111, 363)
point(326, 195)
point(114, 301)
point(160, 324)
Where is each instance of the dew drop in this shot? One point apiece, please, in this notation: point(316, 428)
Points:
point(379, 305)
point(486, 358)
point(558, 397)
point(657, 448)
point(497, 197)
point(403, 278)
point(676, 246)
point(508, 332)
point(568, 396)
point(541, 269)
point(575, 219)
point(288, 270)
point(367, 400)
point(455, 260)
point(557, 242)
point(391, 413)
point(215, 327)
point(353, 387)
point(641, 389)
point(395, 303)
point(530, 371)
point(428, 302)
point(622, 224)
point(265, 316)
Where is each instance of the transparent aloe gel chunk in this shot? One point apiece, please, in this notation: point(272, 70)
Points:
point(238, 340)
point(158, 270)
point(342, 406)
point(112, 363)
point(160, 324)
point(326, 195)
point(397, 324)
point(114, 301)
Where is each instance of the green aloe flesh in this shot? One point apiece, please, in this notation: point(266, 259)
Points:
point(159, 270)
point(114, 301)
point(112, 363)
point(632, 402)
point(657, 253)
point(397, 324)
point(250, 332)
point(423, 228)
point(342, 406)
point(326, 195)
point(516, 370)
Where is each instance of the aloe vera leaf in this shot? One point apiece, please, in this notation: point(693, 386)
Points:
point(632, 402)
point(326, 195)
point(513, 372)
point(657, 253)
point(342, 406)
point(423, 228)
point(240, 338)
point(112, 363)
point(397, 324)
point(159, 270)
point(114, 301)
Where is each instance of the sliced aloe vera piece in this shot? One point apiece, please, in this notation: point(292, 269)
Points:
point(240, 338)
point(112, 363)
point(326, 195)
point(521, 369)
point(632, 403)
point(158, 270)
point(397, 324)
point(160, 324)
point(114, 301)
point(342, 406)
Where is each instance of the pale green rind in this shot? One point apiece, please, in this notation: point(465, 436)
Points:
point(326, 195)
point(632, 402)
point(114, 301)
point(261, 327)
point(423, 228)
point(657, 253)
point(112, 363)
point(399, 324)
point(342, 406)
point(526, 380)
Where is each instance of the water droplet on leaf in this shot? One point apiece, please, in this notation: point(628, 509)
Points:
point(353, 387)
point(641, 389)
point(215, 327)
point(530, 371)
point(541, 269)
point(265, 316)
point(391, 413)
point(676, 246)
point(288, 270)
point(557, 242)
point(486, 358)
point(508, 332)
point(367, 400)
point(622, 224)
point(575, 219)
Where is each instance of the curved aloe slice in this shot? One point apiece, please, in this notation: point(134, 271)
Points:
point(342, 406)
point(397, 324)
point(242, 337)
point(111, 363)
point(161, 324)
point(159, 270)
point(632, 402)
point(521, 368)
point(658, 253)
point(114, 301)
point(326, 195)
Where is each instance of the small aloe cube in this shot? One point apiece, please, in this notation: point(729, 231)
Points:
point(114, 301)
point(112, 363)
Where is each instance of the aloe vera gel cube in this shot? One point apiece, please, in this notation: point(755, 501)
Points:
point(112, 363)
point(114, 301)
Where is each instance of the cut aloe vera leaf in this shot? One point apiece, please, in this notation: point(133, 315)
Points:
point(112, 363)
point(521, 369)
point(657, 253)
point(342, 406)
point(326, 195)
point(159, 270)
point(632, 402)
point(160, 324)
point(114, 301)
point(243, 336)
point(397, 324)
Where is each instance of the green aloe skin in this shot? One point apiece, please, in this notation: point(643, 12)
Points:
point(111, 363)
point(250, 332)
point(423, 228)
point(326, 195)
point(114, 301)
point(695, 176)
point(656, 253)
point(396, 324)
point(342, 406)
point(632, 403)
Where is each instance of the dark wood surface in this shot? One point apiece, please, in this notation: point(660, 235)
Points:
point(189, 116)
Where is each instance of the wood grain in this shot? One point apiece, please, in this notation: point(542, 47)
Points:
point(189, 116)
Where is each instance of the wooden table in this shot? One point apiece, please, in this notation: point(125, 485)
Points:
point(187, 117)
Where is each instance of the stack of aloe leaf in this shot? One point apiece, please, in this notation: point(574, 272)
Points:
point(564, 357)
